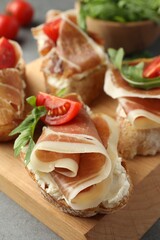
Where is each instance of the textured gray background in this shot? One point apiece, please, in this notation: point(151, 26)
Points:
point(15, 222)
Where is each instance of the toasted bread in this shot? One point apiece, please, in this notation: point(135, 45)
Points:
point(117, 184)
point(89, 87)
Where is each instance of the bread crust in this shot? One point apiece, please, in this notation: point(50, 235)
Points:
point(134, 141)
point(118, 200)
point(88, 87)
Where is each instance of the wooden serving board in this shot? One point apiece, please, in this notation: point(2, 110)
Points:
point(131, 222)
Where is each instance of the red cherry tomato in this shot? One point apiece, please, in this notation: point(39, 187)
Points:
point(59, 110)
point(7, 54)
point(152, 70)
point(21, 10)
point(8, 26)
point(51, 29)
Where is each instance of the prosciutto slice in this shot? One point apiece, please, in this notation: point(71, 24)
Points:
point(115, 86)
point(142, 113)
point(74, 52)
point(12, 90)
point(79, 156)
point(76, 47)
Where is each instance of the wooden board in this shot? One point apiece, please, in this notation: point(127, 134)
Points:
point(131, 222)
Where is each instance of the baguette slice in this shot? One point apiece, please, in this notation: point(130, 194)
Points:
point(118, 187)
point(134, 141)
point(89, 86)
point(76, 62)
point(137, 114)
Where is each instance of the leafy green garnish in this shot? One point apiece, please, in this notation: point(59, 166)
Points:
point(116, 57)
point(27, 129)
point(132, 74)
point(119, 10)
point(62, 92)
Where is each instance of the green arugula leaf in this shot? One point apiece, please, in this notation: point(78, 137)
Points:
point(82, 18)
point(116, 57)
point(29, 151)
point(62, 92)
point(27, 128)
point(21, 141)
point(132, 74)
point(32, 101)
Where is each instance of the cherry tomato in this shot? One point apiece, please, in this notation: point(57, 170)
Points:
point(152, 70)
point(51, 29)
point(8, 26)
point(59, 110)
point(7, 54)
point(21, 10)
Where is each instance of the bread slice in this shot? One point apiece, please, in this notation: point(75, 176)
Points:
point(134, 141)
point(75, 61)
point(64, 207)
point(77, 167)
point(89, 86)
point(143, 140)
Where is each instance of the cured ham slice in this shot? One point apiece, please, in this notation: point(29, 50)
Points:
point(74, 48)
point(79, 150)
point(9, 91)
point(138, 113)
point(79, 162)
point(76, 137)
point(73, 42)
point(12, 87)
point(71, 58)
point(115, 86)
point(142, 113)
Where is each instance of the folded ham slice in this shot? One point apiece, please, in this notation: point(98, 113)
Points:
point(76, 137)
point(71, 58)
point(142, 113)
point(115, 86)
point(12, 87)
point(74, 48)
point(80, 156)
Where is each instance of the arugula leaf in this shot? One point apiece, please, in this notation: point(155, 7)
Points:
point(116, 57)
point(32, 101)
point(82, 18)
point(29, 151)
point(62, 92)
point(132, 74)
point(27, 129)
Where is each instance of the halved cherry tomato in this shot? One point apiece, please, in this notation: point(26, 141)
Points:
point(8, 26)
point(21, 10)
point(51, 29)
point(7, 54)
point(152, 70)
point(59, 110)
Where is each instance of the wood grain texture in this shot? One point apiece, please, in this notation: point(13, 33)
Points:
point(129, 223)
point(139, 215)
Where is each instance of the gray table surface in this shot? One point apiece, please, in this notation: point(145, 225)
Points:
point(15, 222)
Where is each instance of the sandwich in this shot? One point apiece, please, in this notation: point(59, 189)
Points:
point(12, 85)
point(72, 60)
point(136, 86)
point(75, 160)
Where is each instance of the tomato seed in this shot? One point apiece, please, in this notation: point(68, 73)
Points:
point(67, 105)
